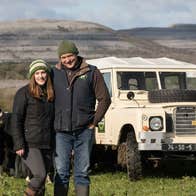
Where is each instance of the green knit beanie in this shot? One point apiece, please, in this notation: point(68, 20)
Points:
point(38, 64)
point(67, 47)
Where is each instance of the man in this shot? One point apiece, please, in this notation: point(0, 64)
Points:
point(77, 86)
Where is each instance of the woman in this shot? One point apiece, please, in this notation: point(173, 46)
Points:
point(32, 122)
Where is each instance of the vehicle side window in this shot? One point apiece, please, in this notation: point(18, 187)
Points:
point(107, 79)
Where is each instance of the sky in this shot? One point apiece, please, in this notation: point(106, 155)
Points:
point(116, 14)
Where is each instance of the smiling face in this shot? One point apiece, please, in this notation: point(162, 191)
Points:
point(69, 60)
point(40, 77)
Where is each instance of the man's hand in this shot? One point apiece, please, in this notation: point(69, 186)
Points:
point(91, 126)
point(20, 152)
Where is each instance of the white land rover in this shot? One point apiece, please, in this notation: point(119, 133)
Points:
point(153, 110)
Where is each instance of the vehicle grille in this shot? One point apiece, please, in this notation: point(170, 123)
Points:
point(185, 120)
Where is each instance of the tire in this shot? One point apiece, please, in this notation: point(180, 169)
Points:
point(121, 155)
point(172, 95)
point(133, 157)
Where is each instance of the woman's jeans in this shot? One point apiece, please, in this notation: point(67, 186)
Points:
point(38, 161)
point(79, 143)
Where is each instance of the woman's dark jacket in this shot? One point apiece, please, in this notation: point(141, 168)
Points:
point(32, 121)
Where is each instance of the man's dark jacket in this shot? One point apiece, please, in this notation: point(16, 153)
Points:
point(75, 98)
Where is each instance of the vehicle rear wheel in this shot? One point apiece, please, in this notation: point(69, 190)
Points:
point(133, 158)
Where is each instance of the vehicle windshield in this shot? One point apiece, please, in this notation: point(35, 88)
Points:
point(148, 80)
point(178, 80)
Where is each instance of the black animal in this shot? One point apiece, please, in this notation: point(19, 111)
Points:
point(9, 162)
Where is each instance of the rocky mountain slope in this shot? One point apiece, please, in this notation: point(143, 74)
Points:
point(25, 40)
point(177, 36)
point(30, 39)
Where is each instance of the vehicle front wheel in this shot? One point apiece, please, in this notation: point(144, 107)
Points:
point(133, 158)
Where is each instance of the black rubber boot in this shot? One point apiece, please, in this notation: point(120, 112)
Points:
point(82, 190)
point(60, 190)
point(41, 192)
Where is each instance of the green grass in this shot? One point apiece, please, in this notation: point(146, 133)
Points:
point(114, 184)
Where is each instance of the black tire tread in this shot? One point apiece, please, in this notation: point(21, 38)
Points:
point(121, 155)
point(133, 156)
point(172, 95)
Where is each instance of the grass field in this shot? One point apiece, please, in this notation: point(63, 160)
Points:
point(172, 182)
point(172, 179)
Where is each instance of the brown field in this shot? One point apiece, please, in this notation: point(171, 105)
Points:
point(8, 89)
point(6, 98)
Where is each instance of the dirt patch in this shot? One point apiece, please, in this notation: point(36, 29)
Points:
point(12, 83)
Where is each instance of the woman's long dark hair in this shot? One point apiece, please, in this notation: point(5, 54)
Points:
point(37, 92)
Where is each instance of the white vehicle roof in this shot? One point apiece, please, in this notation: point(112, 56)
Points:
point(139, 62)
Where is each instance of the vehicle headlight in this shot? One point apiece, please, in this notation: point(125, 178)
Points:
point(156, 123)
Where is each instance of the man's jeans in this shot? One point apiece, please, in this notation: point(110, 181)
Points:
point(81, 143)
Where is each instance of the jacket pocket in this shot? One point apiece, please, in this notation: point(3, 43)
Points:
point(38, 137)
point(85, 115)
point(32, 135)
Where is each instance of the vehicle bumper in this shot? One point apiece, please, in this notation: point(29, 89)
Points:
point(155, 141)
point(151, 140)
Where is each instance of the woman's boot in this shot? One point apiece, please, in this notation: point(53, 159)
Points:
point(41, 192)
point(29, 192)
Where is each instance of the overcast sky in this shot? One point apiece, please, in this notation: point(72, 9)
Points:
point(116, 14)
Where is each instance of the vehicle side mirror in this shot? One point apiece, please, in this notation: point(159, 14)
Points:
point(130, 95)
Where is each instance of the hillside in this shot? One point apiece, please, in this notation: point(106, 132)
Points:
point(177, 36)
point(25, 40)
point(29, 39)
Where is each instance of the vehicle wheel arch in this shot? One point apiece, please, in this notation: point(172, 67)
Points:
point(124, 131)
point(121, 147)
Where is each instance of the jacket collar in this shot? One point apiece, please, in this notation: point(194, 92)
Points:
point(81, 69)
point(80, 65)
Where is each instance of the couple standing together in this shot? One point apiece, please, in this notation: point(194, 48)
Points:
point(59, 103)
